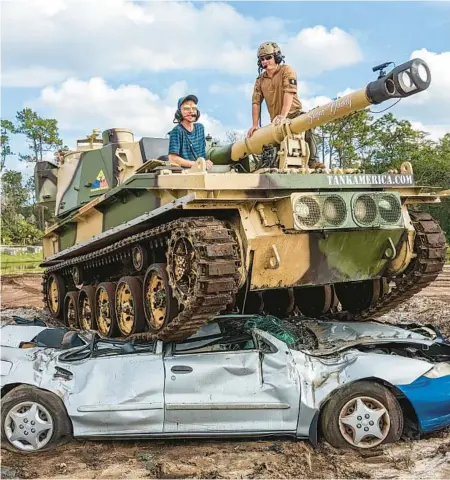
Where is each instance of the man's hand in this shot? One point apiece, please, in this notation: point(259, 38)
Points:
point(252, 130)
point(279, 119)
point(209, 164)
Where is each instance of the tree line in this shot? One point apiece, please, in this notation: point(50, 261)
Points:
point(22, 221)
point(356, 141)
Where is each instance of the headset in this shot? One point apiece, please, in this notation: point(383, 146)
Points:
point(179, 116)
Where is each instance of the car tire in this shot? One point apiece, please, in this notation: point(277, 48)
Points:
point(342, 427)
point(49, 410)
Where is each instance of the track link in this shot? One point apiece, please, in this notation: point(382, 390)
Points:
point(218, 271)
point(430, 247)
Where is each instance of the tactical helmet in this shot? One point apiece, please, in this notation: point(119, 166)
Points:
point(269, 48)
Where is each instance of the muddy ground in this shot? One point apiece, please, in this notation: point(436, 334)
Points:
point(428, 458)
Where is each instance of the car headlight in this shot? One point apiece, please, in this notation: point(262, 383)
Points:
point(439, 370)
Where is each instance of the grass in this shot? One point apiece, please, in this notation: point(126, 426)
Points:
point(20, 258)
point(20, 263)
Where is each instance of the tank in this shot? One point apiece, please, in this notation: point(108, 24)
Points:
point(143, 249)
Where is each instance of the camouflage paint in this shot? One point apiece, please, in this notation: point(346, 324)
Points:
point(128, 207)
point(362, 250)
point(67, 236)
point(92, 164)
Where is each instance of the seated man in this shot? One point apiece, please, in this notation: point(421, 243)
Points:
point(187, 140)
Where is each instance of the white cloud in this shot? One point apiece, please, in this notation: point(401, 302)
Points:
point(104, 37)
point(313, 102)
point(345, 92)
point(435, 131)
point(247, 89)
point(227, 88)
point(434, 103)
point(95, 104)
point(34, 76)
point(315, 50)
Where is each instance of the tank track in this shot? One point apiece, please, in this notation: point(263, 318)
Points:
point(430, 247)
point(218, 277)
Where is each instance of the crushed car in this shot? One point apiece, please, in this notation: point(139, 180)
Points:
point(357, 385)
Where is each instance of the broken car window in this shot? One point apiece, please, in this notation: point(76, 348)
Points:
point(216, 343)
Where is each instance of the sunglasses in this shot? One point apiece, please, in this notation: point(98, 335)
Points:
point(266, 57)
point(189, 109)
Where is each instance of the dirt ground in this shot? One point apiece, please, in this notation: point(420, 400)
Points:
point(428, 458)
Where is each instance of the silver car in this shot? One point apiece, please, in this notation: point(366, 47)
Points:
point(356, 384)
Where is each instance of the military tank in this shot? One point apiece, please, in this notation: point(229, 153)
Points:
point(143, 249)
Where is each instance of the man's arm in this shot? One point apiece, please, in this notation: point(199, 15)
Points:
point(256, 112)
point(177, 160)
point(257, 98)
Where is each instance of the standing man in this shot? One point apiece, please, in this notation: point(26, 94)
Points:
point(187, 139)
point(277, 85)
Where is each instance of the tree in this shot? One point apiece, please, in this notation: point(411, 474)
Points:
point(18, 220)
point(42, 134)
point(346, 142)
point(432, 167)
point(7, 127)
point(395, 141)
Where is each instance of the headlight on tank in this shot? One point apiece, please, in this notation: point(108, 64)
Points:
point(307, 211)
point(334, 210)
point(365, 210)
point(389, 208)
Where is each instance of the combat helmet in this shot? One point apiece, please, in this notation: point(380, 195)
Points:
point(269, 48)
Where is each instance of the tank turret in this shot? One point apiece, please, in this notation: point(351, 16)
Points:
point(143, 249)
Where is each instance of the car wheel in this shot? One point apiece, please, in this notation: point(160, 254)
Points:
point(33, 420)
point(362, 415)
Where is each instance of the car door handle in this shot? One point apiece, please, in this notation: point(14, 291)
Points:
point(181, 369)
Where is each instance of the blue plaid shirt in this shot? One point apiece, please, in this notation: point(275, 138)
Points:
point(188, 145)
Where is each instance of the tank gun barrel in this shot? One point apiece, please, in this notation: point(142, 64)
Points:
point(407, 79)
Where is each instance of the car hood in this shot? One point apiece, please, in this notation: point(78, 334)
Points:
point(326, 337)
point(332, 333)
point(14, 335)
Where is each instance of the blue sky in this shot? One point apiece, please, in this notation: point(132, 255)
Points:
point(115, 63)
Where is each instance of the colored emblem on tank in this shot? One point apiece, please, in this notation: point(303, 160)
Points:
point(100, 183)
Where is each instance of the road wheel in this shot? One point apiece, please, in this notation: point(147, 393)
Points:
point(56, 291)
point(160, 306)
point(362, 415)
point(71, 309)
point(129, 307)
point(33, 420)
point(357, 296)
point(314, 301)
point(86, 308)
point(105, 311)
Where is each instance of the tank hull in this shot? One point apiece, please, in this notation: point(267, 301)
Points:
point(259, 246)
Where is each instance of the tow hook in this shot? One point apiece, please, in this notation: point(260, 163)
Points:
point(390, 252)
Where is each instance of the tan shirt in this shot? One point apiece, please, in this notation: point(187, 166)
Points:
point(272, 90)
